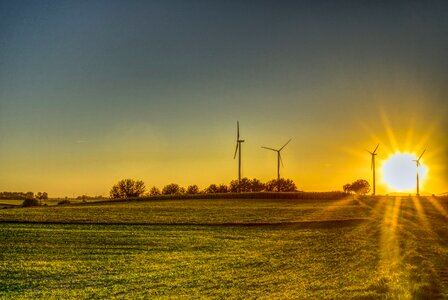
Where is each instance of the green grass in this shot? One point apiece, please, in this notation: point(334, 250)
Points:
point(10, 203)
point(372, 248)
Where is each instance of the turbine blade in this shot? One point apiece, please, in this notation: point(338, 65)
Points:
point(371, 165)
point(370, 152)
point(421, 155)
point(281, 160)
point(269, 148)
point(376, 148)
point(236, 150)
point(237, 130)
point(285, 145)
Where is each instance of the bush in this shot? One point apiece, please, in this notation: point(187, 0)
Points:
point(30, 202)
point(65, 201)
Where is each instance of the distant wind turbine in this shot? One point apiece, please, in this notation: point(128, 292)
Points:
point(238, 149)
point(417, 162)
point(372, 166)
point(279, 159)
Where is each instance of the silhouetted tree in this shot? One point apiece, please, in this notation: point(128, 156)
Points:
point(211, 189)
point(281, 185)
point(247, 185)
point(171, 189)
point(222, 188)
point(127, 188)
point(256, 185)
point(42, 196)
point(214, 188)
point(360, 186)
point(192, 189)
point(347, 188)
point(154, 191)
point(244, 186)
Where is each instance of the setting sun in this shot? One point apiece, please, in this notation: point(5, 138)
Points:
point(399, 172)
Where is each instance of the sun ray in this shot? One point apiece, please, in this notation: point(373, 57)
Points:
point(423, 220)
point(388, 267)
point(435, 203)
point(389, 131)
point(410, 134)
point(332, 210)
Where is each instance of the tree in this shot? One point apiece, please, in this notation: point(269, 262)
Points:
point(171, 189)
point(281, 185)
point(42, 196)
point(127, 188)
point(192, 189)
point(213, 189)
point(245, 185)
point(154, 191)
point(347, 188)
point(257, 185)
point(360, 186)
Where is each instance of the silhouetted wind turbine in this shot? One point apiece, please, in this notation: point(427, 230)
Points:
point(372, 166)
point(238, 149)
point(417, 162)
point(279, 159)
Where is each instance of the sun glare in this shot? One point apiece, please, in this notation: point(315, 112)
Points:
point(399, 172)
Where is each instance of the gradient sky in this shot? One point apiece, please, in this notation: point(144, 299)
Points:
point(92, 92)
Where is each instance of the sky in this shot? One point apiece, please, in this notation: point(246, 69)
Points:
point(92, 92)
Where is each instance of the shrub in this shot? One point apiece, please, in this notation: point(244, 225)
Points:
point(65, 201)
point(30, 202)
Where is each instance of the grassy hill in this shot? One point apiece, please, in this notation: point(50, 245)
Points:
point(384, 247)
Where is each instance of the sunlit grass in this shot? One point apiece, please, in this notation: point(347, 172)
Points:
point(372, 247)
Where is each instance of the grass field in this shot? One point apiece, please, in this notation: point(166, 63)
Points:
point(385, 247)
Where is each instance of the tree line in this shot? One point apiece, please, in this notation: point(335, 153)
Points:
point(23, 196)
point(130, 188)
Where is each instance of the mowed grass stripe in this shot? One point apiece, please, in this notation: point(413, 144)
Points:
point(226, 211)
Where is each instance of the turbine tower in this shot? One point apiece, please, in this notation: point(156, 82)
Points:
point(279, 160)
point(417, 162)
point(238, 149)
point(372, 166)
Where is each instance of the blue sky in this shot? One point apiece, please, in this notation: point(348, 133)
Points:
point(95, 91)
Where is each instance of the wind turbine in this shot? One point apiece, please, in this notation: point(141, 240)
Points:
point(238, 149)
point(372, 166)
point(279, 159)
point(417, 162)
